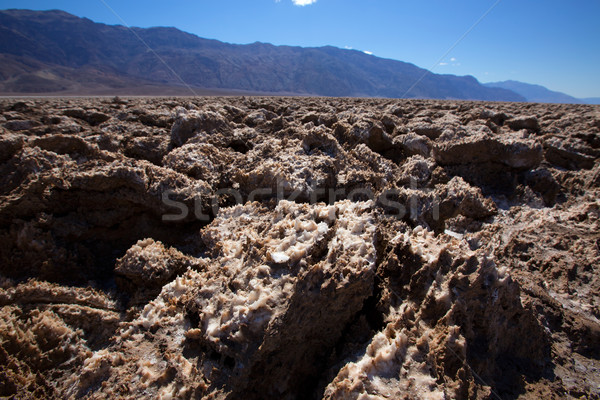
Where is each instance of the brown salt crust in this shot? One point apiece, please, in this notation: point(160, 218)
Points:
point(486, 286)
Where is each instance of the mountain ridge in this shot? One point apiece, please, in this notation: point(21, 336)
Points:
point(540, 94)
point(61, 50)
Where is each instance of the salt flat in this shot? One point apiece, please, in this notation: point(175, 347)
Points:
point(273, 247)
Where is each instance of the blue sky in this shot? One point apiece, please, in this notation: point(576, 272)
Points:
point(554, 43)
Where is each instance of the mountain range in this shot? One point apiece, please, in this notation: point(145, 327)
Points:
point(53, 52)
point(540, 94)
point(56, 52)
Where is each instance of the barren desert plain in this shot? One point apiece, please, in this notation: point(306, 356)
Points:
point(298, 248)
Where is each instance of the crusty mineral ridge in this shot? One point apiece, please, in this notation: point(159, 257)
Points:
point(455, 297)
point(298, 248)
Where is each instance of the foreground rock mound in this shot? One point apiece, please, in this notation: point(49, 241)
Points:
point(273, 248)
point(445, 304)
point(255, 318)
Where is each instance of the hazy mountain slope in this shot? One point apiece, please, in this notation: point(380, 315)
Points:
point(51, 41)
point(591, 100)
point(535, 93)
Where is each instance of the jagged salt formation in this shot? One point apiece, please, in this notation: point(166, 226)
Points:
point(249, 308)
point(275, 248)
point(458, 305)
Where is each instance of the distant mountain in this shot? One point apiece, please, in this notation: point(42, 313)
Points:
point(591, 100)
point(536, 93)
point(53, 51)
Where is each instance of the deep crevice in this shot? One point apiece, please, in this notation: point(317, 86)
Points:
point(240, 146)
point(355, 337)
point(90, 257)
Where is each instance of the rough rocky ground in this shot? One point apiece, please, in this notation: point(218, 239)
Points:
point(298, 248)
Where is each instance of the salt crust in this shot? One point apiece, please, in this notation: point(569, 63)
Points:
point(258, 257)
point(395, 364)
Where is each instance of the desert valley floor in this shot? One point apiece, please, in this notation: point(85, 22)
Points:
point(298, 248)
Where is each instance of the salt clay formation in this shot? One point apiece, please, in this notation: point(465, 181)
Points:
point(298, 248)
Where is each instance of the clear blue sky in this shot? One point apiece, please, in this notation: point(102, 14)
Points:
point(554, 43)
